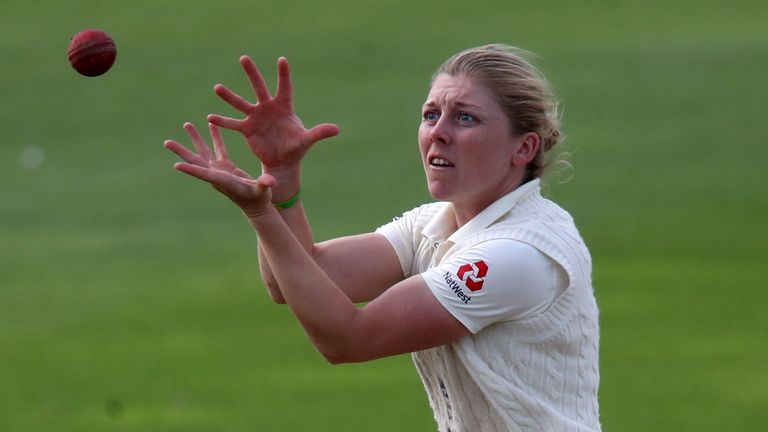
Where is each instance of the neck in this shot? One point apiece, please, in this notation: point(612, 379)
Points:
point(466, 211)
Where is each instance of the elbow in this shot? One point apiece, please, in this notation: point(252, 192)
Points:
point(346, 357)
point(274, 291)
point(336, 353)
point(277, 298)
point(347, 342)
point(336, 358)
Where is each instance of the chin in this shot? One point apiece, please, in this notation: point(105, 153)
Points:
point(439, 193)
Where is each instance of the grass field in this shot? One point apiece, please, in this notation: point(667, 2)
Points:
point(129, 295)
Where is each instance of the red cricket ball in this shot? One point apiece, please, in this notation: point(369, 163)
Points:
point(92, 52)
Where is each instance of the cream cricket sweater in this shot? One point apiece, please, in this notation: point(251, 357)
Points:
point(535, 374)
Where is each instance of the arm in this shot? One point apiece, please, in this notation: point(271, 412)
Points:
point(406, 318)
point(363, 265)
point(346, 260)
point(278, 138)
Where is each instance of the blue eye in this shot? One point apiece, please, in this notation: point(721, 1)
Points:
point(466, 117)
point(430, 116)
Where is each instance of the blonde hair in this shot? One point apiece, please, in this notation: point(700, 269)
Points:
point(521, 90)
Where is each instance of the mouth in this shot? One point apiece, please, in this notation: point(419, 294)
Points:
point(439, 162)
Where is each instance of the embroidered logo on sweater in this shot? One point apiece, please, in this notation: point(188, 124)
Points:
point(473, 274)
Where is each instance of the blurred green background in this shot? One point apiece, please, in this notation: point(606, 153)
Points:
point(130, 298)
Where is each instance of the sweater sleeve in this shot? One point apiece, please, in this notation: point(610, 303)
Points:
point(497, 280)
point(400, 234)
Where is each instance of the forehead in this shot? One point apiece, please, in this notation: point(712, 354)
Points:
point(460, 89)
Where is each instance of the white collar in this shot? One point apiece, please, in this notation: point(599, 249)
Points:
point(443, 224)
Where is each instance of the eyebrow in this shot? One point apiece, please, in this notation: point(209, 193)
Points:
point(458, 104)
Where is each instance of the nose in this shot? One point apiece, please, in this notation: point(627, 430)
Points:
point(440, 133)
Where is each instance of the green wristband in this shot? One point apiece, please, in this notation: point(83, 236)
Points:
point(289, 202)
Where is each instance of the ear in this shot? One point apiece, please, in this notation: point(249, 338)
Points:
point(527, 149)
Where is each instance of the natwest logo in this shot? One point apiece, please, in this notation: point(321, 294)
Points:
point(473, 274)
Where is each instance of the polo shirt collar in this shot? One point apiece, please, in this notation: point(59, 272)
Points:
point(443, 224)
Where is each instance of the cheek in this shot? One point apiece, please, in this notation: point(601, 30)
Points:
point(423, 139)
point(490, 157)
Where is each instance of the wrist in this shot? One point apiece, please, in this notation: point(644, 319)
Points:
point(290, 202)
point(253, 214)
point(288, 181)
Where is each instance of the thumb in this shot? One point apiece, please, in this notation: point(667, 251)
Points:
point(266, 181)
point(259, 205)
point(321, 131)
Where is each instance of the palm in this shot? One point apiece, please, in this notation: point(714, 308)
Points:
point(273, 131)
point(251, 195)
point(232, 181)
point(275, 134)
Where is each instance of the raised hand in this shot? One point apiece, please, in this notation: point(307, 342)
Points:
point(251, 195)
point(272, 129)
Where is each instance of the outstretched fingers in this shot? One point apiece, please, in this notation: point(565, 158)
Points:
point(240, 190)
point(221, 179)
point(226, 122)
point(236, 101)
point(206, 174)
point(184, 153)
point(284, 85)
point(218, 144)
point(256, 79)
point(202, 148)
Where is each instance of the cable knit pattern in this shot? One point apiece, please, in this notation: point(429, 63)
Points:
point(535, 374)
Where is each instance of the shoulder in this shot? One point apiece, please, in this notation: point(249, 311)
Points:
point(537, 217)
point(416, 219)
point(496, 280)
point(425, 212)
point(509, 258)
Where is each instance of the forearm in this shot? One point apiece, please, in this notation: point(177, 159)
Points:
point(297, 222)
point(347, 261)
point(268, 278)
point(324, 311)
point(289, 183)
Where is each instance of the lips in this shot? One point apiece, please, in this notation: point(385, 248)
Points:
point(440, 162)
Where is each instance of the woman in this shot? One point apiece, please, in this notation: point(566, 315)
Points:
point(489, 288)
